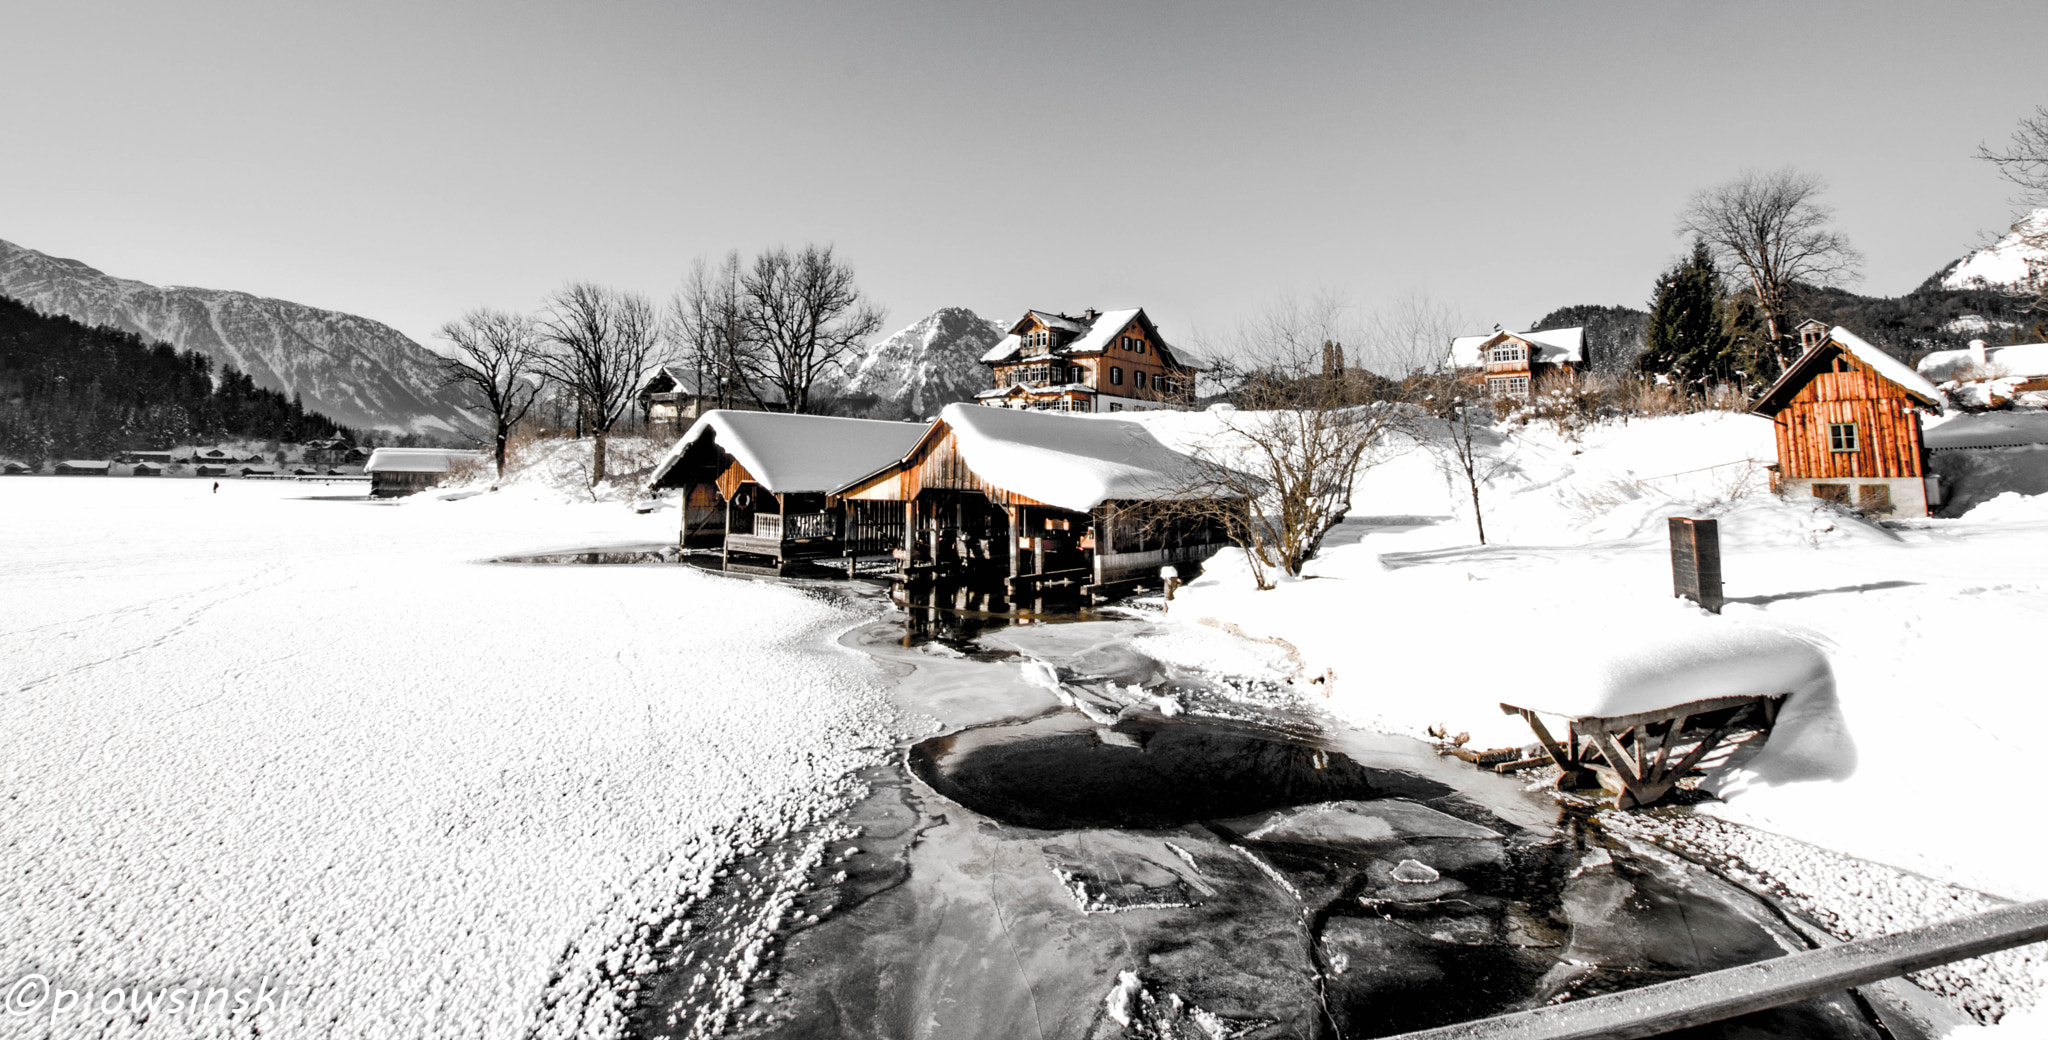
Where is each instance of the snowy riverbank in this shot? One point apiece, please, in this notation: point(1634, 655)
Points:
point(284, 733)
point(1926, 761)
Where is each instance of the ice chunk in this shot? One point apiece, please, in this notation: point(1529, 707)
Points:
point(1414, 872)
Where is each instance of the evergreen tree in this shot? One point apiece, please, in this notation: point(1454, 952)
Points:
point(1691, 335)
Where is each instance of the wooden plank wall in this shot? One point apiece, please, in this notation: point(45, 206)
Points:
point(937, 465)
point(1887, 427)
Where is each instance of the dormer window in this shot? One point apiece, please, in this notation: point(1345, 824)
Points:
point(1812, 334)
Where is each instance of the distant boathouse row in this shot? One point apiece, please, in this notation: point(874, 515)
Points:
point(1023, 497)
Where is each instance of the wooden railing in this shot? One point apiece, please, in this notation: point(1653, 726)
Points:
point(794, 525)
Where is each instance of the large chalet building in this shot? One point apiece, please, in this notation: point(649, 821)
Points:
point(1111, 361)
point(1518, 364)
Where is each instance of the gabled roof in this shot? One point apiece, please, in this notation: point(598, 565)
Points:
point(1069, 461)
point(792, 454)
point(1889, 368)
point(684, 380)
point(2026, 360)
point(1090, 337)
point(417, 460)
point(1546, 345)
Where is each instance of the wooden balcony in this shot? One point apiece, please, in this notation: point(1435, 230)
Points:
point(785, 537)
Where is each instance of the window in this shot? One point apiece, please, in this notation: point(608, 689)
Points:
point(1138, 380)
point(1116, 408)
point(1874, 498)
point(1508, 386)
point(1125, 343)
point(1506, 352)
point(1116, 376)
point(1836, 493)
point(1842, 436)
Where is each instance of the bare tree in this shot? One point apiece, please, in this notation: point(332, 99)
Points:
point(1457, 426)
point(2024, 161)
point(1278, 470)
point(599, 344)
point(806, 319)
point(1772, 228)
point(707, 331)
point(496, 357)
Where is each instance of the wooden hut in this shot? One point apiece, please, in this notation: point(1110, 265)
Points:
point(147, 469)
point(760, 483)
point(1035, 498)
point(14, 467)
point(1848, 425)
point(84, 468)
point(404, 471)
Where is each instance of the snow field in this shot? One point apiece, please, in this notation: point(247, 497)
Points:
point(261, 735)
point(1920, 749)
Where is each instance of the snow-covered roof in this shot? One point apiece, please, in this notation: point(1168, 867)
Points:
point(686, 381)
point(1006, 347)
point(417, 460)
point(85, 464)
point(791, 454)
point(1891, 368)
point(1989, 430)
point(1090, 336)
point(1070, 461)
point(1550, 345)
point(1667, 660)
point(2029, 360)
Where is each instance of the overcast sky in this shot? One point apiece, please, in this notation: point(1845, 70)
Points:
point(406, 161)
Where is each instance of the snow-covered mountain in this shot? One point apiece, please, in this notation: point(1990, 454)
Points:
point(2018, 260)
point(359, 372)
point(918, 370)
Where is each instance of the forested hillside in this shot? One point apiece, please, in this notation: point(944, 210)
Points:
point(72, 390)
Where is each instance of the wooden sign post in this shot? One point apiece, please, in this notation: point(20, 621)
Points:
point(1696, 561)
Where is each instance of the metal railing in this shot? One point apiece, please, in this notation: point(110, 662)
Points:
point(794, 525)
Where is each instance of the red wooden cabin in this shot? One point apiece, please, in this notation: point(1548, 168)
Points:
point(1848, 425)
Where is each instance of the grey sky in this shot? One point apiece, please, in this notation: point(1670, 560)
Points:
point(406, 161)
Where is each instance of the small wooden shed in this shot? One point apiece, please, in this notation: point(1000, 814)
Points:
point(404, 471)
point(1848, 425)
point(1035, 498)
point(84, 468)
point(760, 483)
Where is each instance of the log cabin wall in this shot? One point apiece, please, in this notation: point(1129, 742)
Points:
point(1847, 391)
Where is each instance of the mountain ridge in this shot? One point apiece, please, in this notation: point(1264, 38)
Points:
point(922, 367)
point(359, 371)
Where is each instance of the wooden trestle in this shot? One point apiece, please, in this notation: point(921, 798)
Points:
point(1641, 757)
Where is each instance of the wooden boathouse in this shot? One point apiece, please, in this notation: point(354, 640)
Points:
point(760, 483)
point(1848, 425)
point(1035, 498)
point(395, 472)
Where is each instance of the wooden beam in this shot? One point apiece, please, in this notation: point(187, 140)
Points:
point(1717, 995)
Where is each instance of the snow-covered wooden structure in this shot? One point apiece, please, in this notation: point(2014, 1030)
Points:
point(1848, 425)
point(761, 483)
point(84, 468)
point(404, 471)
point(1519, 365)
point(1109, 361)
point(1987, 376)
point(677, 395)
point(1034, 499)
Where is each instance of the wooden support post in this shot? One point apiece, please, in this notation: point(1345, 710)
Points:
point(1696, 561)
point(1016, 531)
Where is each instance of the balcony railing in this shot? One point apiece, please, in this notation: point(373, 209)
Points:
point(794, 526)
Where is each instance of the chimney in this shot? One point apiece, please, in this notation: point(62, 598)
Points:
point(1089, 315)
point(1977, 355)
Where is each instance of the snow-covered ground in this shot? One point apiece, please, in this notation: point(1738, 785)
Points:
point(1921, 752)
point(283, 736)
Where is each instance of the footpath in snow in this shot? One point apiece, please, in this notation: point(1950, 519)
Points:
point(284, 736)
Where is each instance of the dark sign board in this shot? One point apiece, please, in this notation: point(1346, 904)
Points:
point(1696, 561)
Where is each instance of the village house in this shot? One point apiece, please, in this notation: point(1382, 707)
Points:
point(1114, 361)
point(1990, 377)
point(158, 458)
point(404, 471)
point(760, 483)
point(146, 469)
point(1037, 499)
point(676, 396)
point(12, 467)
point(1519, 365)
point(1848, 425)
point(327, 452)
point(84, 468)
